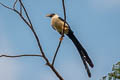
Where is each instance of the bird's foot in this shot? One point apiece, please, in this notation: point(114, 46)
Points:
point(61, 38)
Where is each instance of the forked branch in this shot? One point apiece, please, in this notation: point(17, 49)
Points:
point(29, 23)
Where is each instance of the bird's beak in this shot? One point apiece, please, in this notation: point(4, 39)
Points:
point(48, 15)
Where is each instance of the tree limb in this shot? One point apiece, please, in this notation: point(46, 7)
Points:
point(6, 6)
point(21, 55)
point(15, 4)
point(29, 23)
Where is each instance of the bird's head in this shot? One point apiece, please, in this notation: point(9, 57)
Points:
point(51, 15)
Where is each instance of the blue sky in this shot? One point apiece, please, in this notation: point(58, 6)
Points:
point(94, 22)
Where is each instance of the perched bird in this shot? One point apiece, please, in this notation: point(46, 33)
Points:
point(58, 24)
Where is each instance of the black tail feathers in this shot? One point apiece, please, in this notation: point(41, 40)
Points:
point(85, 58)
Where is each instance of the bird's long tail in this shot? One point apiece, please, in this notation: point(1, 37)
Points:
point(85, 58)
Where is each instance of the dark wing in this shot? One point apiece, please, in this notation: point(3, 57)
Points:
point(64, 21)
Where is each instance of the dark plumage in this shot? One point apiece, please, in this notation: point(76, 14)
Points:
point(84, 56)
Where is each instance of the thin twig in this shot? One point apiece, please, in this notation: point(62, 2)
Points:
point(64, 10)
point(56, 52)
point(21, 55)
point(5, 6)
point(26, 13)
point(61, 38)
point(22, 17)
point(14, 4)
point(16, 12)
point(20, 9)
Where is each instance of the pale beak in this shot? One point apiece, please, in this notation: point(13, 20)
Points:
point(48, 15)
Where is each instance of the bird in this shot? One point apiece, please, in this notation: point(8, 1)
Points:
point(59, 24)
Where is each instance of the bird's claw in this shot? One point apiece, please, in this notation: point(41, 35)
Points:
point(61, 38)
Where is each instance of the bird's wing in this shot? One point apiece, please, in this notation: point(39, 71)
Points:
point(64, 21)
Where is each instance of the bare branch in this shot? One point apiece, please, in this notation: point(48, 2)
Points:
point(31, 27)
point(20, 9)
point(56, 52)
point(26, 13)
point(39, 45)
point(54, 70)
point(5, 6)
point(64, 10)
point(61, 38)
point(22, 17)
point(21, 55)
point(29, 23)
point(16, 12)
point(14, 4)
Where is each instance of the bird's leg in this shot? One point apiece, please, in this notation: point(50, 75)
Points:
point(61, 38)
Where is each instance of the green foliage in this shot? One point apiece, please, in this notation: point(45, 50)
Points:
point(115, 74)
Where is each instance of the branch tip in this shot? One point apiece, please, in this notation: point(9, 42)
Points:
point(20, 55)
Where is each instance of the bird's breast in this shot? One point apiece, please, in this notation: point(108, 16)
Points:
point(58, 25)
